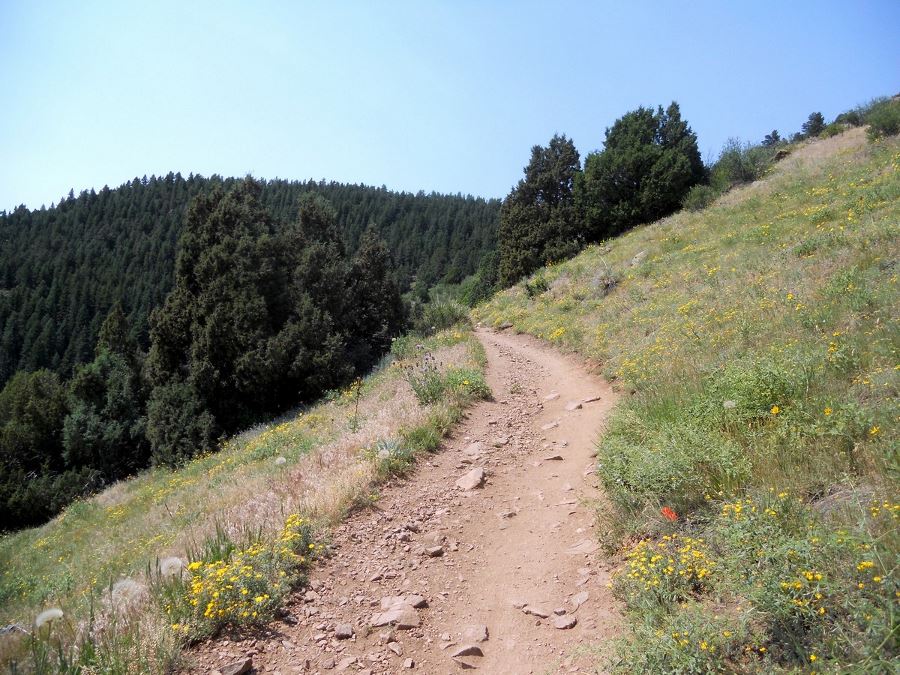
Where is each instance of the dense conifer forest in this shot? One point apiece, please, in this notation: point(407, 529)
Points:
point(63, 268)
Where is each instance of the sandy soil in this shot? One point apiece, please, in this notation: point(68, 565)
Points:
point(514, 560)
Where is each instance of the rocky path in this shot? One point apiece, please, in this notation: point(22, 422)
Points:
point(484, 557)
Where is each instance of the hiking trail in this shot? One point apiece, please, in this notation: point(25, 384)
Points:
point(507, 566)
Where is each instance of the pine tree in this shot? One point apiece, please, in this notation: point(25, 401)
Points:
point(648, 163)
point(538, 220)
point(814, 125)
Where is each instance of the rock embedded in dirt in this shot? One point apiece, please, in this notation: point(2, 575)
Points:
point(402, 616)
point(343, 631)
point(466, 650)
point(470, 481)
point(553, 458)
point(584, 546)
point(552, 396)
point(579, 599)
point(639, 258)
point(500, 441)
point(536, 611)
point(549, 426)
point(238, 667)
point(592, 399)
point(573, 405)
point(434, 551)
point(475, 448)
point(409, 663)
point(476, 632)
point(565, 622)
point(396, 647)
point(559, 611)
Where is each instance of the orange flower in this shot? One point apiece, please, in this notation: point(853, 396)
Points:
point(669, 514)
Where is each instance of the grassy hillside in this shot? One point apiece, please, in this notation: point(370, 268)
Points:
point(752, 472)
point(261, 504)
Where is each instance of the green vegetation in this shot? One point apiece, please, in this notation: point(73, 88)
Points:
point(64, 268)
point(142, 562)
point(754, 457)
point(259, 319)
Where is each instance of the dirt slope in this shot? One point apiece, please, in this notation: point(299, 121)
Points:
point(475, 556)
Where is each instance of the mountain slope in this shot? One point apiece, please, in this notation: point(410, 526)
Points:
point(758, 340)
point(62, 269)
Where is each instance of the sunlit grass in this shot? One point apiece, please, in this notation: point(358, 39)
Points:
point(757, 342)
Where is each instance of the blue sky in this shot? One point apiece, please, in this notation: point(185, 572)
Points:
point(446, 96)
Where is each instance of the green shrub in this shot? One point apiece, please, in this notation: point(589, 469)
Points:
point(832, 129)
point(536, 285)
point(884, 119)
point(699, 197)
point(227, 585)
point(440, 314)
point(653, 457)
point(740, 163)
point(425, 378)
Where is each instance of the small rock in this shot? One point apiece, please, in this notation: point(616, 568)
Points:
point(467, 650)
point(549, 426)
point(475, 448)
point(591, 399)
point(552, 396)
point(409, 663)
point(579, 599)
point(475, 633)
point(500, 441)
point(238, 667)
point(471, 480)
point(573, 405)
point(464, 665)
point(396, 647)
point(434, 551)
point(327, 663)
point(343, 631)
point(279, 461)
point(519, 604)
point(505, 325)
point(729, 405)
point(559, 611)
point(553, 458)
point(345, 663)
point(583, 546)
point(536, 611)
point(564, 622)
point(402, 616)
point(639, 258)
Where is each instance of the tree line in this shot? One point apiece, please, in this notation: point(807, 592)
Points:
point(260, 316)
point(63, 268)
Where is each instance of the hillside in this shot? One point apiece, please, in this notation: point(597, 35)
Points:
point(262, 497)
point(63, 268)
point(752, 469)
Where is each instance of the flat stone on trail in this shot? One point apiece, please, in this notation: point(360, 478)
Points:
point(583, 546)
point(591, 399)
point(403, 616)
point(549, 426)
point(471, 480)
point(343, 631)
point(536, 611)
point(573, 405)
point(475, 632)
point(553, 458)
point(552, 396)
point(434, 551)
point(413, 600)
point(238, 667)
point(565, 622)
point(467, 650)
point(579, 599)
point(475, 448)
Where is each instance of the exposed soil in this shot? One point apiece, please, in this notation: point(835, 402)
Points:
point(442, 563)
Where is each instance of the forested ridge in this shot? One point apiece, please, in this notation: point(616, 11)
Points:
point(63, 268)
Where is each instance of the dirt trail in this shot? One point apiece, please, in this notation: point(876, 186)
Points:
point(475, 556)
